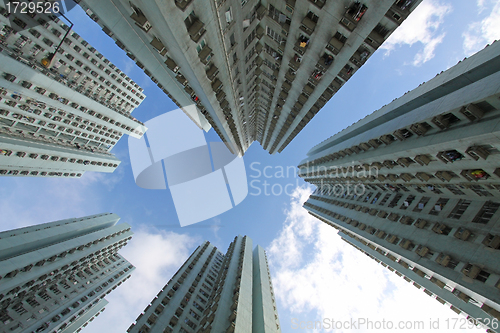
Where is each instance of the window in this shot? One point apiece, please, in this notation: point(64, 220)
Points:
point(421, 204)
point(454, 189)
point(274, 35)
point(194, 314)
point(249, 39)
point(198, 306)
point(229, 16)
point(313, 17)
point(486, 212)
point(438, 206)
point(232, 40)
point(459, 209)
point(407, 202)
point(200, 46)
point(278, 16)
point(340, 37)
point(480, 191)
point(394, 201)
point(190, 323)
point(384, 200)
point(249, 55)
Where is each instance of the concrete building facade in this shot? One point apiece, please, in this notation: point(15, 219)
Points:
point(213, 292)
point(63, 105)
point(54, 276)
point(416, 185)
point(256, 70)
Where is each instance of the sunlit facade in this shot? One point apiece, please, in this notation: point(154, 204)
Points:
point(416, 185)
point(54, 276)
point(61, 119)
point(256, 70)
point(213, 292)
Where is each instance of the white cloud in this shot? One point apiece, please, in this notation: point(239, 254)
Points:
point(480, 33)
point(156, 255)
point(422, 26)
point(128, 67)
point(316, 275)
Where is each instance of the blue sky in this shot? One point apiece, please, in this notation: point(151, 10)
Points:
point(315, 274)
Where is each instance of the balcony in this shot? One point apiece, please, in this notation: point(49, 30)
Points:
point(140, 20)
point(212, 72)
point(382, 214)
point(205, 54)
point(302, 44)
point(259, 31)
point(387, 139)
point(346, 72)
point(444, 121)
point(308, 25)
point(286, 86)
point(295, 62)
point(181, 79)
point(406, 244)
point(392, 239)
point(424, 177)
point(462, 234)
point(443, 259)
point(420, 128)
point(158, 45)
point(375, 39)
point(402, 134)
point(421, 223)
point(445, 176)
point(231, 328)
point(471, 271)
point(182, 4)
point(389, 164)
point(423, 159)
point(449, 156)
point(260, 11)
point(477, 152)
point(335, 44)
point(422, 251)
point(196, 30)
point(406, 177)
point(216, 85)
point(475, 174)
point(353, 15)
point(172, 65)
point(441, 229)
point(360, 57)
point(393, 217)
point(472, 112)
point(406, 220)
point(290, 75)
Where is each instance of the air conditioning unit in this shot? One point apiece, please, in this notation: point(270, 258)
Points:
point(472, 112)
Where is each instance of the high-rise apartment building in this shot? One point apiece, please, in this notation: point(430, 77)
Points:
point(416, 185)
point(213, 292)
point(63, 106)
point(54, 276)
point(256, 70)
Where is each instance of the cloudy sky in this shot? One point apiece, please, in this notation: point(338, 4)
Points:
point(315, 274)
